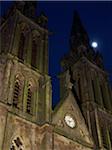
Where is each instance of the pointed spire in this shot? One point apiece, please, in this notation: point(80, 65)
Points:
point(79, 36)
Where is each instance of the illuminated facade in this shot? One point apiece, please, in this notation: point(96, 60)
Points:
point(83, 118)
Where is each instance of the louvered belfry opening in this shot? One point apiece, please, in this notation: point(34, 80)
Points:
point(29, 100)
point(16, 94)
point(21, 46)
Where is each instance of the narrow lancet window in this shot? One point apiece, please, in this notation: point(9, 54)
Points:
point(21, 46)
point(34, 54)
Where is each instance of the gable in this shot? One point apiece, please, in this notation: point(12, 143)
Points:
point(79, 132)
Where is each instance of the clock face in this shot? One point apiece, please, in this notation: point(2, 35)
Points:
point(70, 121)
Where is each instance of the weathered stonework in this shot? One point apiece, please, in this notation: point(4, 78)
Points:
point(27, 121)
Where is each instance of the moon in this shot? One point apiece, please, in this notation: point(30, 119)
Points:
point(94, 44)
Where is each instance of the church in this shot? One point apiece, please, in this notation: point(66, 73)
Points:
point(82, 120)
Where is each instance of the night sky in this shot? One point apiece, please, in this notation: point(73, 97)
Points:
point(97, 20)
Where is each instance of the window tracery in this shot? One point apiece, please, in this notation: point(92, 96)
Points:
point(17, 144)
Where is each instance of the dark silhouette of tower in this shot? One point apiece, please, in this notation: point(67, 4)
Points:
point(91, 85)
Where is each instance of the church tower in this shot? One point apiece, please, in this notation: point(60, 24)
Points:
point(82, 120)
point(25, 86)
point(90, 85)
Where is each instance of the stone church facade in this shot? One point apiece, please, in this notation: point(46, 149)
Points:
point(83, 118)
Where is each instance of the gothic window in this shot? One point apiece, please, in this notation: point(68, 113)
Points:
point(29, 100)
point(16, 144)
point(34, 53)
point(16, 93)
point(21, 46)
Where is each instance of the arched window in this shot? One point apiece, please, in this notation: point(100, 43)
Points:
point(21, 46)
point(16, 93)
point(29, 100)
point(17, 144)
point(34, 53)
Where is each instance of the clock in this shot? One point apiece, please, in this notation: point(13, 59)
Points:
point(69, 120)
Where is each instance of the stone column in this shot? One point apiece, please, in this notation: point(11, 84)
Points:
point(37, 101)
point(7, 81)
point(29, 50)
point(99, 91)
point(25, 93)
point(41, 56)
point(45, 55)
point(107, 99)
point(89, 122)
point(48, 100)
point(98, 128)
point(89, 86)
point(3, 122)
point(47, 141)
point(86, 85)
point(38, 53)
point(16, 39)
point(41, 101)
point(14, 33)
point(108, 137)
point(94, 127)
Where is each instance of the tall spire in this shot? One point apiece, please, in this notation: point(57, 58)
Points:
point(80, 46)
point(78, 35)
